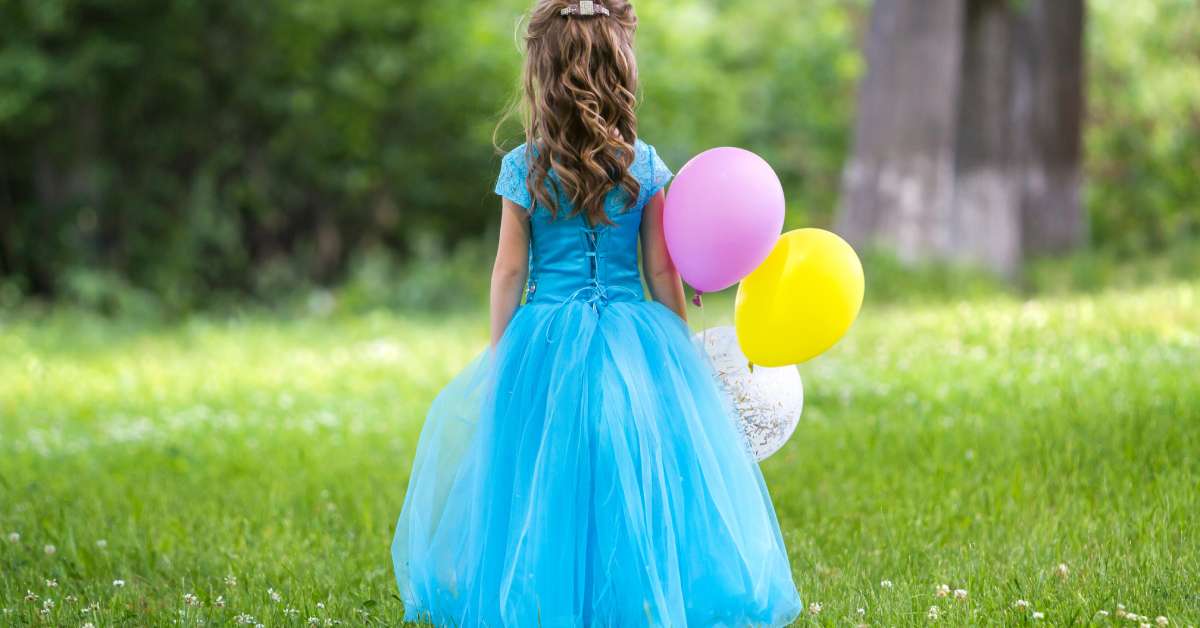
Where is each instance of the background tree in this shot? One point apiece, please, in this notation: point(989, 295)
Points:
point(194, 152)
point(967, 144)
point(898, 185)
point(1048, 108)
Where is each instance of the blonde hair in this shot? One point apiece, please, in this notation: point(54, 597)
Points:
point(579, 99)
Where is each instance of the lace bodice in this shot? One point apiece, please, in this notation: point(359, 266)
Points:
point(572, 261)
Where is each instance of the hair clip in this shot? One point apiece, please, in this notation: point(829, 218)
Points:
point(584, 7)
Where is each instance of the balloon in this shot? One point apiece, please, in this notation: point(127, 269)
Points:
point(801, 300)
point(723, 214)
point(768, 401)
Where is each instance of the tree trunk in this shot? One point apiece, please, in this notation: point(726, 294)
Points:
point(967, 142)
point(1050, 38)
point(898, 185)
point(986, 223)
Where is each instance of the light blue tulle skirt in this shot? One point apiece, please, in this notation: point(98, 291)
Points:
point(587, 473)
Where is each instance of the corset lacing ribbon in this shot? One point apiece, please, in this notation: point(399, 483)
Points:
point(596, 293)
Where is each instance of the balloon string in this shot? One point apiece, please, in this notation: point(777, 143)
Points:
point(703, 324)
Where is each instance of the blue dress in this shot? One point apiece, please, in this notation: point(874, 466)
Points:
point(587, 471)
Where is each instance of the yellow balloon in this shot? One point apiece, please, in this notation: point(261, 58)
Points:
point(801, 300)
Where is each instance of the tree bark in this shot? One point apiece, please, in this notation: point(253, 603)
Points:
point(898, 185)
point(986, 221)
point(1050, 38)
point(967, 141)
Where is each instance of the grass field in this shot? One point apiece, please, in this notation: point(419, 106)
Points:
point(250, 470)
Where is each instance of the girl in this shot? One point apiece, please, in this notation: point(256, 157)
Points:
point(585, 471)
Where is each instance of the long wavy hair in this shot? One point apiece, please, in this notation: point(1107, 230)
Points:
point(579, 98)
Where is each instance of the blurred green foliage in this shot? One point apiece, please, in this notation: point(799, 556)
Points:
point(207, 147)
point(181, 152)
point(1143, 132)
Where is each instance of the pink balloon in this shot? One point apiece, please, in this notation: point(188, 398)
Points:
point(723, 215)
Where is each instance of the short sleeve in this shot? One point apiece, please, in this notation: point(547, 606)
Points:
point(660, 174)
point(513, 173)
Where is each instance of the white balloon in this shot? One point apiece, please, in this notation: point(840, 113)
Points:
point(768, 401)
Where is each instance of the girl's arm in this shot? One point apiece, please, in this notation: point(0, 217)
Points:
point(511, 267)
point(661, 276)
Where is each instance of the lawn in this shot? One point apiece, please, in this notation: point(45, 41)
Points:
point(250, 469)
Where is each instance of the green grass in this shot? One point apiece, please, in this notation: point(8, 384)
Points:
point(977, 444)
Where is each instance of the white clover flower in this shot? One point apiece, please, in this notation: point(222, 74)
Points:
point(886, 584)
point(1038, 615)
point(1121, 611)
point(70, 599)
point(313, 621)
point(1021, 604)
point(1062, 570)
point(190, 599)
point(1101, 614)
point(321, 605)
point(861, 612)
point(244, 619)
point(51, 583)
point(1144, 625)
point(30, 596)
point(230, 581)
point(43, 612)
point(814, 608)
point(1162, 621)
point(118, 583)
point(960, 594)
point(260, 626)
point(14, 537)
point(290, 612)
point(219, 602)
point(933, 613)
point(275, 596)
point(88, 625)
point(943, 590)
point(48, 603)
point(50, 550)
point(101, 543)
